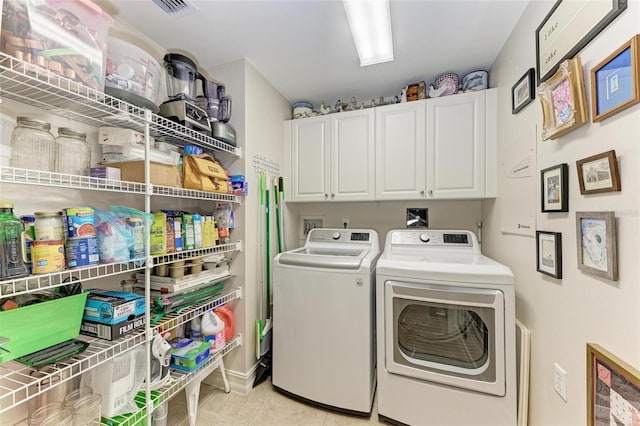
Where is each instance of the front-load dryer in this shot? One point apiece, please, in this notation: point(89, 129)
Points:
point(446, 332)
point(324, 320)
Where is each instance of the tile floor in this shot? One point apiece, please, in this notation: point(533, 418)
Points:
point(262, 407)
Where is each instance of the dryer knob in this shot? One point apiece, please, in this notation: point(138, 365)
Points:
point(336, 236)
point(424, 238)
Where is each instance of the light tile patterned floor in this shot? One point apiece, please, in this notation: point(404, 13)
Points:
point(262, 407)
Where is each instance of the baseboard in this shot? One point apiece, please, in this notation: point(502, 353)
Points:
point(239, 382)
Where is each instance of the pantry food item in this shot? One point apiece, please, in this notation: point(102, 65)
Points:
point(11, 230)
point(49, 226)
point(80, 222)
point(48, 256)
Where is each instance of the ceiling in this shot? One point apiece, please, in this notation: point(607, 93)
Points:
point(305, 50)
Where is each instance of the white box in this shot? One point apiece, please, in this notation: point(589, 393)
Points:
point(119, 136)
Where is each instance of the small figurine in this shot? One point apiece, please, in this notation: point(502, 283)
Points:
point(324, 109)
point(381, 101)
point(353, 105)
point(403, 97)
point(361, 105)
point(338, 106)
point(396, 99)
point(373, 103)
point(434, 93)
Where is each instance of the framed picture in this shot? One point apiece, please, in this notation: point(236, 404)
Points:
point(554, 188)
point(549, 253)
point(613, 389)
point(308, 223)
point(615, 82)
point(563, 99)
point(596, 238)
point(599, 173)
point(523, 92)
point(568, 28)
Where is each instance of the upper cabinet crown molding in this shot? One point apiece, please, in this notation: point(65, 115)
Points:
point(438, 148)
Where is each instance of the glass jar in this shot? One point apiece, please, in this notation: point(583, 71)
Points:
point(73, 152)
point(32, 145)
point(49, 226)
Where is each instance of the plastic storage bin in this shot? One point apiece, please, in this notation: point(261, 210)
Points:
point(35, 327)
point(66, 37)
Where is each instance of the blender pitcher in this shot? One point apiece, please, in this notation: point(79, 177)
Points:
point(181, 77)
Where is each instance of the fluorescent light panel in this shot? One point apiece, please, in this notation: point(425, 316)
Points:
point(370, 23)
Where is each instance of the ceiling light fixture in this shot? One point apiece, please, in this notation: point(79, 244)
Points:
point(370, 23)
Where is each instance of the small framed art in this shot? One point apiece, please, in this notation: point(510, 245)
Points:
point(549, 253)
point(563, 99)
point(554, 187)
point(599, 173)
point(523, 92)
point(596, 238)
point(615, 82)
point(613, 389)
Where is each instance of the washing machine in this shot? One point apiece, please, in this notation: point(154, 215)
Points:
point(324, 320)
point(445, 331)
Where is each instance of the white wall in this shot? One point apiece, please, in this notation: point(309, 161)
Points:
point(563, 315)
point(257, 114)
point(383, 216)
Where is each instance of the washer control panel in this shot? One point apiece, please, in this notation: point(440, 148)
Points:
point(339, 235)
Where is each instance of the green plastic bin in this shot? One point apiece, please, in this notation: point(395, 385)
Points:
point(35, 327)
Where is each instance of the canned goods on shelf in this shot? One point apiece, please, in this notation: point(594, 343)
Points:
point(47, 256)
point(80, 222)
point(81, 252)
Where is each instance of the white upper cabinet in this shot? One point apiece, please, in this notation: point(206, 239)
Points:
point(400, 151)
point(457, 146)
point(439, 148)
point(331, 158)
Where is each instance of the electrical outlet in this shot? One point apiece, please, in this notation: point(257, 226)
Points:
point(560, 381)
point(345, 223)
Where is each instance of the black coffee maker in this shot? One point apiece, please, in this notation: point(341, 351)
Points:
point(181, 107)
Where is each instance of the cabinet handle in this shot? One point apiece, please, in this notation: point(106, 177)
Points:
point(333, 195)
point(326, 196)
point(422, 192)
point(431, 192)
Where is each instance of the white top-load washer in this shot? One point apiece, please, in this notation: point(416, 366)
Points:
point(446, 331)
point(324, 321)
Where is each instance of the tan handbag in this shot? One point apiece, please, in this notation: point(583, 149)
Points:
point(204, 173)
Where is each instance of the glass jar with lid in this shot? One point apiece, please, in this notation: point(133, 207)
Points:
point(73, 151)
point(49, 226)
point(32, 145)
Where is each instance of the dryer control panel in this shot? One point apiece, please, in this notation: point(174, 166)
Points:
point(433, 238)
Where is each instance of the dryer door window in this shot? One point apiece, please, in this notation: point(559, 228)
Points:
point(450, 335)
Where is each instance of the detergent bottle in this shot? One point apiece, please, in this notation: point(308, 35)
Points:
point(212, 329)
point(225, 313)
point(196, 332)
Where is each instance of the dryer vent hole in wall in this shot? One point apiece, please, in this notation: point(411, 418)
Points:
point(417, 218)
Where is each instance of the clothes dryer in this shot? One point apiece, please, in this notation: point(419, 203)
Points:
point(446, 332)
point(324, 321)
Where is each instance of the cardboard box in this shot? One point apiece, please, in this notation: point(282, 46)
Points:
point(111, 331)
point(112, 307)
point(160, 174)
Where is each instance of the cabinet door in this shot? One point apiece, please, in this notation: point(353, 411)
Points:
point(352, 156)
point(310, 159)
point(400, 151)
point(456, 132)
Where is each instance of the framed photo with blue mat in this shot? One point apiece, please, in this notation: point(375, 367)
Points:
point(615, 82)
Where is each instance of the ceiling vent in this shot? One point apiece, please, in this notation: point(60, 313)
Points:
point(176, 8)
